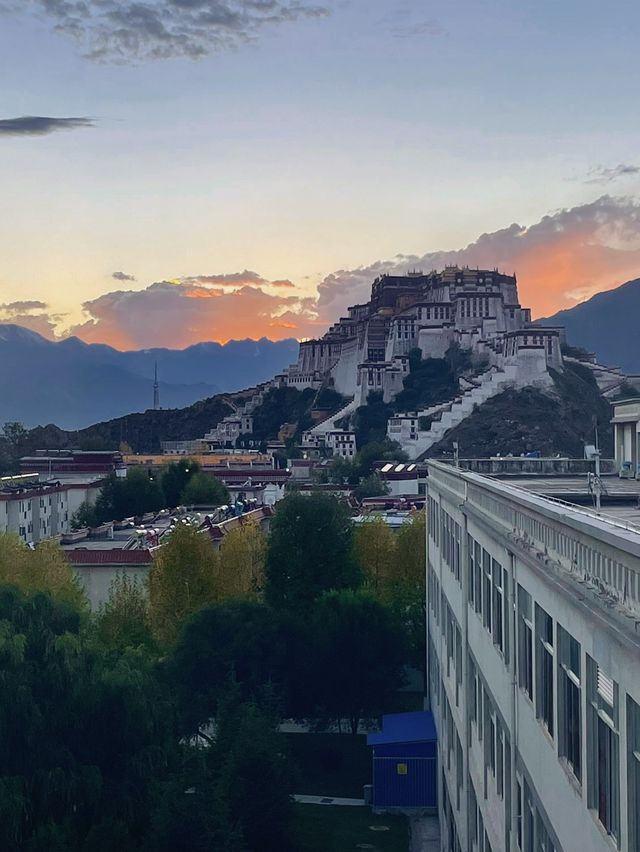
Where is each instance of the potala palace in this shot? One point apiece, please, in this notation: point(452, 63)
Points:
point(477, 310)
point(367, 351)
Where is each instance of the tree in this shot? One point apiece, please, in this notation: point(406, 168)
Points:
point(407, 594)
point(86, 516)
point(44, 569)
point(309, 551)
point(137, 494)
point(372, 486)
point(359, 651)
point(256, 774)
point(375, 550)
point(123, 620)
point(84, 735)
point(204, 490)
point(235, 641)
point(182, 580)
point(241, 563)
point(175, 478)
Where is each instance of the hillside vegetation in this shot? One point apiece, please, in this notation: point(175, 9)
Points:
point(521, 421)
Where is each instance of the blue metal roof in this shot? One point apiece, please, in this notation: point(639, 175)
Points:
point(405, 728)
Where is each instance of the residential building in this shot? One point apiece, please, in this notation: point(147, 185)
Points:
point(533, 669)
point(74, 465)
point(36, 511)
point(98, 568)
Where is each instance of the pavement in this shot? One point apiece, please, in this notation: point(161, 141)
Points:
point(425, 834)
point(328, 800)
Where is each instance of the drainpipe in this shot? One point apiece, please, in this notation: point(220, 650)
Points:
point(513, 834)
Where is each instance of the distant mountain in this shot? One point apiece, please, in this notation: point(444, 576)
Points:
point(608, 324)
point(73, 384)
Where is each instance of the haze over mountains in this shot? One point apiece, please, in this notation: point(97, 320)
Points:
point(607, 324)
point(74, 384)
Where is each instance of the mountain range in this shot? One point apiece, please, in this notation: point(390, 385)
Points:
point(606, 324)
point(73, 384)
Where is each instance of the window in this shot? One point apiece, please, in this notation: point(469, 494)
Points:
point(569, 692)
point(498, 606)
point(470, 571)
point(478, 570)
point(544, 668)
point(525, 642)
point(486, 610)
point(633, 772)
point(603, 749)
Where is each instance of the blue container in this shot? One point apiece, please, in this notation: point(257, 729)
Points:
point(405, 762)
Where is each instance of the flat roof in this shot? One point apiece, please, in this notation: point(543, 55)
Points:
point(413, 727)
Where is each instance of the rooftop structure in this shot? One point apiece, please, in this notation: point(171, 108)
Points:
point(74, 465)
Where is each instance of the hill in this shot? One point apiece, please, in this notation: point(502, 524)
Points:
point(74, 384)
point(521, 421)
point(606, 324)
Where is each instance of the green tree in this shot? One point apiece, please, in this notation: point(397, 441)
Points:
point(375, 550)
point(359, 651)
point(44, 569)
point(372, 486)
point(175, 478)
point(309, 551)
point(241, 564)
point(84, 735)
point(256, 774)
point(182, 580)
point(204, 490)
point(86, 516)
point(237, 641)
point(123, 620)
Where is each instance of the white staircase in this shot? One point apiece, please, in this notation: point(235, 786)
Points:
point(329, 425)
point(452, 413)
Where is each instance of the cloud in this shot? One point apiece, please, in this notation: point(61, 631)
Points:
point(564, 258)
point(125, 30)
point(181, 312)
point(123, 276)
point(31, 314)
point(41, 125)
point(561, 259)
point(21, 307)
point(601, 175)
point(403, 23)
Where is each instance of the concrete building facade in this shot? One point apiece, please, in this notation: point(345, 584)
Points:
point(626, 442)
point(533, 610)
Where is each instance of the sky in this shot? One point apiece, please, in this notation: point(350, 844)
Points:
point(184, 170)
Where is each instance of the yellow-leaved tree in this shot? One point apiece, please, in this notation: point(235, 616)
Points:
point(375, 550)
point(241, 563)
point(182, 580)
point(44, 569)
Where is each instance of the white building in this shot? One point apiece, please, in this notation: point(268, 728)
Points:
point(626, 424)
point(36, 511)
point(534, 669)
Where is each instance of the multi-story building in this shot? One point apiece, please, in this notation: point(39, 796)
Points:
point(533, 669)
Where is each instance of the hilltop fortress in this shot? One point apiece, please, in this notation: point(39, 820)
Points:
point(367, 351)
point(476, 309)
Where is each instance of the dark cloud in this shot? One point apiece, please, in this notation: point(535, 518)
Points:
point(601, 175)
point(40, 125)
point(22, 307)
point(123, 276)
point(125, 30)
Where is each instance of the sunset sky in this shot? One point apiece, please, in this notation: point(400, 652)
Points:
point(216, 169)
